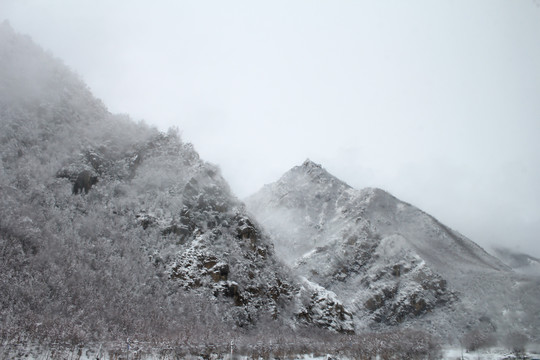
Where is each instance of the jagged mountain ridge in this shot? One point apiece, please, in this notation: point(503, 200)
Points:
point(110, 228)
point(389, 262)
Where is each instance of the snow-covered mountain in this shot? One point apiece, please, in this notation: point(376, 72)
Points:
point(109, 228)
point(387, 261)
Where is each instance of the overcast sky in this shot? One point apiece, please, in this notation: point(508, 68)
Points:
point(437, 102)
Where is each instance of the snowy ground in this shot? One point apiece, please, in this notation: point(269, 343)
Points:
point(76, 353)
point(487, 354)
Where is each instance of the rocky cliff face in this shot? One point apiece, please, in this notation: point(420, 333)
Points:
point(212, 247)
point(389, 262)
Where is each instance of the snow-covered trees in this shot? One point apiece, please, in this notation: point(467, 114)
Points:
point(516, 341)
point(110, 229)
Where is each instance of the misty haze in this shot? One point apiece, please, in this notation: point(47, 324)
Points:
point(347, 180)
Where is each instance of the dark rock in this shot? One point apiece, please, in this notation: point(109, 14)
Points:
point(145, 220)
point(396, 270)
point(219, 272)
point(84, 182)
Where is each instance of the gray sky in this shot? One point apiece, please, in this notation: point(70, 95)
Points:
point(437, 102)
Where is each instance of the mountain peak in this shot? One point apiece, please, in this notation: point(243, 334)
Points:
point(310, 167)
point(315, 173)
point(310, 164)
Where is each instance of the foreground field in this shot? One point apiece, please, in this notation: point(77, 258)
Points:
point(120, 352)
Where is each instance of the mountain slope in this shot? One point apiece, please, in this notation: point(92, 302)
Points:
point(110, 229)
point(389, 262)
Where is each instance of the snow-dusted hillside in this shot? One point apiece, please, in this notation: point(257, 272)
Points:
point(109, 228)
point(389, 262)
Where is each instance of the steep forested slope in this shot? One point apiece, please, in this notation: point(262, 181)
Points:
point(109, 228)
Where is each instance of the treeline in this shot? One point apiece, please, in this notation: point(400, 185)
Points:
point(267, 342)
